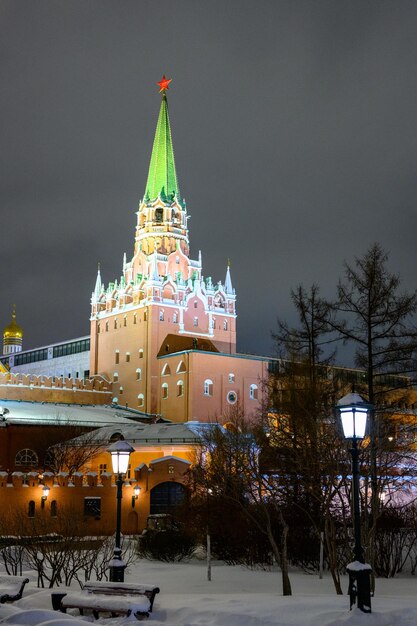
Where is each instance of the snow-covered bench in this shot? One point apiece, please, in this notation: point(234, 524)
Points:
point(114, 598)
point(11, 588)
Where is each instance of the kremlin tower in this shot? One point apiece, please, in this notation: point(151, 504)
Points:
point(162, 306)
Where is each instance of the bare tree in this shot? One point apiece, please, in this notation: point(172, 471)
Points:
point(372, 314)
point(229, 467)
point(74, 453)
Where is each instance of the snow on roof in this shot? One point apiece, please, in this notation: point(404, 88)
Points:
point(20, 412)
point(150, 434)
point(169, 458)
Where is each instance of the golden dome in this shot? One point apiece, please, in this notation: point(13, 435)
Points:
point(13, 330)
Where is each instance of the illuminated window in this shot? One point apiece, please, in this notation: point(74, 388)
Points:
point(164, 391)
point(253, 392)
point(208, 387)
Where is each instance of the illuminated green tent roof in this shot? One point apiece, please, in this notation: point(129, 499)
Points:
point(162, 177)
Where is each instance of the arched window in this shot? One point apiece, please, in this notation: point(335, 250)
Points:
point(141, 399)
point(166, 370)
point(115, 323)
point(175, 317)
point(26, 457)
point(125, 321)
point(134, 319)
point(107, 327)
point(196, 321)
point(180, 388)
point(53, 508)
point(116, 357)
point(181, 367)
point(224, 324)
point(231, 378)
point(253, 392)
point(164, 391)
point(31, 509)
point(208, 387)
point(138, 374)
point(161, 315)
point(115, 377)
point(127, 357)
point(121, 391)
point(141, 353)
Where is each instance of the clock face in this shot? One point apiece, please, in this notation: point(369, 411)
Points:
point(232, 397)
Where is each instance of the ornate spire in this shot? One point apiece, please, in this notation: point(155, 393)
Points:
point(228, 287)
point(162, 176)
point(98, 287)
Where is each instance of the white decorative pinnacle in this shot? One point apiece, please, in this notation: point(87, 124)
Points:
point(228, 287)
point(98, 287)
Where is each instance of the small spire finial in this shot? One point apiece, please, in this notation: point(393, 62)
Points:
point(163, 84)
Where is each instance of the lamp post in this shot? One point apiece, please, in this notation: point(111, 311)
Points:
point(353, 412)
point(120, 452)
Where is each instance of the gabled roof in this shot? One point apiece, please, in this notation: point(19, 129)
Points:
point(162, 177)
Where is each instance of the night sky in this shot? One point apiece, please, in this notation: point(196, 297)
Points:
point(295, 134)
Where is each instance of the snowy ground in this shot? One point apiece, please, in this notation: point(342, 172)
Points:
point(236, 596)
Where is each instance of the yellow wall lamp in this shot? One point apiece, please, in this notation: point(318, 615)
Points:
point(45, 494)
point(136, 492)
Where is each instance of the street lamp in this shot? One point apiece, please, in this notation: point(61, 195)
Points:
point(120, 452)
point(353, 412)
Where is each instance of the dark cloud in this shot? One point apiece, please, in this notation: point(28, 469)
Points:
point(294, 127)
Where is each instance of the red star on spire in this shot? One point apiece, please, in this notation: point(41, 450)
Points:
point(163, 84)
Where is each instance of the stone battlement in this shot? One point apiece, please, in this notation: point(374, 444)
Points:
point(15, 386)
